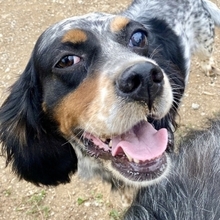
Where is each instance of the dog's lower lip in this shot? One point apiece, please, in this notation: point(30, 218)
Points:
point(148, 170)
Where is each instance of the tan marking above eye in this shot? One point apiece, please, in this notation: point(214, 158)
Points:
point(118, 24)
point(74, 36)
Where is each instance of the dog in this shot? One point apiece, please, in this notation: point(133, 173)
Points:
point(100, 94)
point(191, 190)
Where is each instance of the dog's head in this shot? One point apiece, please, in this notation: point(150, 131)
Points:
point(100, 93)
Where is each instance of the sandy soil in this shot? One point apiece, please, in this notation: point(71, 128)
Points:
point(21, 22)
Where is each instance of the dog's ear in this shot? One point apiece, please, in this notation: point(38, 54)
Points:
point(31, 143)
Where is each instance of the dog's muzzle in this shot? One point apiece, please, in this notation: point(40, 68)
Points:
point(139, 153)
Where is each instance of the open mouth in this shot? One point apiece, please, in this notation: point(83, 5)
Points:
point(138, 154)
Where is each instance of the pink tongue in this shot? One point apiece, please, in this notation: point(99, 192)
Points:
point(142, 142)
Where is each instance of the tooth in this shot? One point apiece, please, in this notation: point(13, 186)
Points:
point(136, 161)
point(102, 139)
point(129, 158)
point(110, 143)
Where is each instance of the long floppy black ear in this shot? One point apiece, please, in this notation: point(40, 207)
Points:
point(31, 143)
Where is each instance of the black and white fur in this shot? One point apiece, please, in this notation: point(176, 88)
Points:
point(191, 190)
point(193, 20)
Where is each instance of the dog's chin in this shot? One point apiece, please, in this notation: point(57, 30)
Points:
point(136, 157)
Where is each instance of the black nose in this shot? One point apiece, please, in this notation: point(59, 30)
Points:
point(141, 82)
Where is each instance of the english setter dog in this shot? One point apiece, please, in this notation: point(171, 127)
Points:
point(100, 93)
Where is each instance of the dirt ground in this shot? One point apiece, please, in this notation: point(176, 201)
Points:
point(21, 22)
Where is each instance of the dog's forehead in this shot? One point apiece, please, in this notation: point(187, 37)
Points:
point(95, 22)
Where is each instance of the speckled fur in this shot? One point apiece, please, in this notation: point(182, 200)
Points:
point(193, 20)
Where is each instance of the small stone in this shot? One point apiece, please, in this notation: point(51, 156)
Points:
point(195, 106)
point(87, 204)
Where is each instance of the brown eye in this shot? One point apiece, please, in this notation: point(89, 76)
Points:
point(68, 61)
point(138, 39)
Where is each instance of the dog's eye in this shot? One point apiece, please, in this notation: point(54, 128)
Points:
point(68, 61)
point(138, 39)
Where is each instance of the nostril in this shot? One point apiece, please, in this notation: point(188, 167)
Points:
point(129, 83)
point(157, 75)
